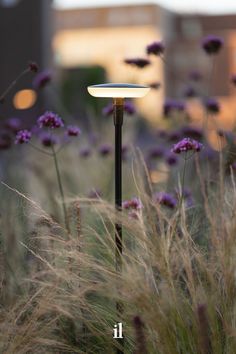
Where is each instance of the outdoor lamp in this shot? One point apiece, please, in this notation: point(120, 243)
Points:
point(118, 92)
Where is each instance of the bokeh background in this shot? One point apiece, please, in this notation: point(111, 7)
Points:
point(85, 42)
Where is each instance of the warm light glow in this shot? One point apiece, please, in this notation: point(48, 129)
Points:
point(118, 90)
point(24, 99)
point(107, 48)
point(160, 175)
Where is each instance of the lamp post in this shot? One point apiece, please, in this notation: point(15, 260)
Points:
point(118, 92)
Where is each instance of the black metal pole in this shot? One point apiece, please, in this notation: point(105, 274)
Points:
point(118, 122)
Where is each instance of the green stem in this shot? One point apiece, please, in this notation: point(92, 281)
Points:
point(181, 195)
point(3, 96)
point(210, 79)
point(183, 181)
point(60, 188)
point(40, 150)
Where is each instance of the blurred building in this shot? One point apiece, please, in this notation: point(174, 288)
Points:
point(90, 45)
point(25, 35)
point(105, 36)
point(185, 55)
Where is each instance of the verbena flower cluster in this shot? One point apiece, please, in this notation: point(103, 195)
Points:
point(13, 124)
point(23, 136)
point(212, 105)
point(138, 62)
point(155, 48)
point(186, 145)
point(171, 105)
point(190, 92)
point(134, 203)
point(33, 67)
point(73, 130)
point(129, 108)
point(85, 152)
point(212, 44)
point(166, 199)
point(42, 79)
point(155, 85)
point(133, 206)
point(105, 149)
point(50, 120)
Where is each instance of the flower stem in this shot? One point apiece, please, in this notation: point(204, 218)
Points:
point(12, 84)
point(210, 80)
point(60, 188)
point(40, 150)
point(183, 181)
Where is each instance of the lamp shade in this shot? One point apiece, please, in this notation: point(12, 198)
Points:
point(118, 90)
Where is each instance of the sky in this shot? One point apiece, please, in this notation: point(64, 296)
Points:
point(209, 6)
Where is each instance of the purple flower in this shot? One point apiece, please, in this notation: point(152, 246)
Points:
point(50, 120)
point(105, 149)
point(166, 199)
point(168, 107)
point(233, 79)
point(192, 132)
point(126, 204)
point(190, 92)
point(33, 67)
point(171, 159)
point(85, 152)
point(171, 105)
point(186, 195)
point(156, 152)
point(212, 44)
point(175, 135)
point(129, 108)
point(47, 139)
point(94, 194)
point(221, 133)
point(138, 62)
point(155, 85)
point(42, 79)
point(108, 110)
point(212, 105)
point(73, 130)
point(156, 48)
point(187, 144)
point(195, 75)
point(13, 124)
point(133, 204)
point(23, 136)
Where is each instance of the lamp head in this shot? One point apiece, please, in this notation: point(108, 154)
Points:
point(118, 90)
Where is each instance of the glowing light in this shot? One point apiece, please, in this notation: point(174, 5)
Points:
point(118, 90)
point(24, 99)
